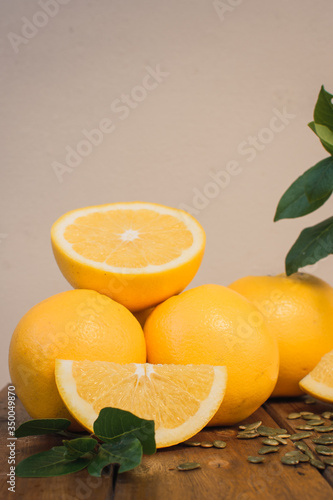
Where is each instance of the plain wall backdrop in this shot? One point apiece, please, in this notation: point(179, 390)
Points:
point(221, 72)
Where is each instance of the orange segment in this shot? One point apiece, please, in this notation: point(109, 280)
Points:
point(319, 382)
point(136, 253)
point(181, 399)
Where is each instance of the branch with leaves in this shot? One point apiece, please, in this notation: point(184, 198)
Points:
point(309, 192)
point(120, 438)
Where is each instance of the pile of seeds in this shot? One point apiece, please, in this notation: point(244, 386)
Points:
point(274, 437)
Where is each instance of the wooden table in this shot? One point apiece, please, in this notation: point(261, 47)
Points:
point(224, 473)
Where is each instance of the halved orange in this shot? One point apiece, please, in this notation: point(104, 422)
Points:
point(139, 254)
point(181, 399)
point(319, 382)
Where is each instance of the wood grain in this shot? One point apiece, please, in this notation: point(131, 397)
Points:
point(224, 474)
point(80, 486)
point(279, 411)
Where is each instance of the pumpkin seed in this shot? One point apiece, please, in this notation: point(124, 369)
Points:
point(283, 436)
point(247, 435)
point(280, 440)
point(270, 442)
point(192, 443)
point(265, 431)
point(245, 431)
point(253, 426)
point(300, 435)
point(256, 460)
point(206, 444)
point(309, 400)
point(268, 449)
point(328, 460)
point(270, 431)
point(328, 439)
point(311, 417)
point(304, 448)
point(327, 414)
point(281, 432)
point(303, 413)
point(292, 453)
point(188, 466)
point(317, 463)
point(219, 444)
point(324, 428)
point(289, 460)
point(294, 416)
point(298, 454)
point(304, 428)
point(303, 458)
point(323, 450)
point(316, 422)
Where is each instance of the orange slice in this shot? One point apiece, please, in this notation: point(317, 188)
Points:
point(139, 254)
point(181, 399)
point(319, 382)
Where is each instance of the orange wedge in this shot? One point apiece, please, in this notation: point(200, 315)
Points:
point(139, 254)
point(319, 382)
point(181, 399)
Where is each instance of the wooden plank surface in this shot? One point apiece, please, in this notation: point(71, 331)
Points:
point(80, 486)
point(224, 473)
point(279, 411)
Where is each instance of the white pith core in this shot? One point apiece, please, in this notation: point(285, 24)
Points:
point(129, 235)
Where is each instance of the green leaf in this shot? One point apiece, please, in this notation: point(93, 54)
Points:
point(42, 426)
point(76, 448)
point(325, 135)
point(323, 112)
point(126, 452)
point(294, 202)
point(314, 243)
point(113, 424)
point(319, 181)
point(50, 463)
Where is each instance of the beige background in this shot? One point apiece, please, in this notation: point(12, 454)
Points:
point(228, 76)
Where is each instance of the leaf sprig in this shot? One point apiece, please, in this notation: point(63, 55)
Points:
point(309, 192)
point(120, 438)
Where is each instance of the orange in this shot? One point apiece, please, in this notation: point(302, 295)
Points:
point(180, 399)
point(215, 325)
point(319, 382)
point(299, 313)
point(139, 254)
point(78, 324)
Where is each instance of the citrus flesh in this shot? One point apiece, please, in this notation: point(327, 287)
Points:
point(319, 382)
point(137, 253)
point(215, 325)
point(77, 324)
point(180, 399)
point(298, 310)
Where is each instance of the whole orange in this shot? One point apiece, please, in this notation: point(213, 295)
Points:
point(79, 325)
point(298, 310)
point(212, 324)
